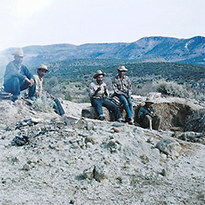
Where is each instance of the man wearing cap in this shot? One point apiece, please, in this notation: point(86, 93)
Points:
point(98, 92)
point(122, 89)
point(17, 77)
point(41, 71)
point(147, 116)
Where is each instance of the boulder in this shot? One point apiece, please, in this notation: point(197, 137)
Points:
point(169, 146)
point(89, 112)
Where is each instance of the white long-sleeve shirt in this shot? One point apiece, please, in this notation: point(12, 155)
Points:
point(94, 86)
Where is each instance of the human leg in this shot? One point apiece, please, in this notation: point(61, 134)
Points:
point(97, 104)
point(32, 91)
point(113, 108)
point(146, 122)
point(156, 122)
point(126, 106)
point(130, 104)
point(13, 86)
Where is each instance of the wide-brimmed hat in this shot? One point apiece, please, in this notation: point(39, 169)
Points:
point(99, 72)
point(18, 52)
point(149, 100)
point(43, 67)
point(122, 68)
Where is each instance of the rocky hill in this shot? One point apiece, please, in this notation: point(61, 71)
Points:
point(151, 49)
point(75, 160)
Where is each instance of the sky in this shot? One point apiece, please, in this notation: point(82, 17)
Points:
point(45, 22)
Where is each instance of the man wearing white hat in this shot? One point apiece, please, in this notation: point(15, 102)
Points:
point(98, 92)
point(17, 77)
point(122, 89)
point(41, 71)
point(147, 116)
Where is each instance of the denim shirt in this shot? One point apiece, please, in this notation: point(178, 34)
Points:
point(13, 70)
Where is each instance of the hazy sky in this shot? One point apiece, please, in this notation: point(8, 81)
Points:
point(44, 22)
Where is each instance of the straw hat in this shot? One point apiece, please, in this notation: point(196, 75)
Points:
point(18, 52)
point(43, 67)
point(149, 100)
point(122, 68)
point(99, 72)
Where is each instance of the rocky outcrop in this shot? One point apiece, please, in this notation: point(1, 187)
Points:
point(176, 113)
point(74, 160)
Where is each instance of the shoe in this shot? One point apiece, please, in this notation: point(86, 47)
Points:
point(119, 120)
point(32, 98)
point(130, 121)
point(101, 117)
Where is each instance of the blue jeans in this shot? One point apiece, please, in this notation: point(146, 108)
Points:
point(98, 103)
point(15, 86)
point(127, 105)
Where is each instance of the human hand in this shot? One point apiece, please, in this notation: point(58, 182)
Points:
point(99, 88)
point(30, 81)
point(152, 114)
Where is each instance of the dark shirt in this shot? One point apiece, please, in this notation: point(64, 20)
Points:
point(20, 72)
point(144, 111)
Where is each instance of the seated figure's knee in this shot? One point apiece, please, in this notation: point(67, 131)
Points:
point(15, 80)
point(159, 118)
point(124, 103)
point(148, 117)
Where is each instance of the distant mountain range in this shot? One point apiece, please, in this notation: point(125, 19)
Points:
point(147, 49)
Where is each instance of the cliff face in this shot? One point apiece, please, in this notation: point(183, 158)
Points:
point(74, 160)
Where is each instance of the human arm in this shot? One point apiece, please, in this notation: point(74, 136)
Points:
point(93, 90)
point(28, 76)
point(141, 113)
point(117, 87)
point(152, 112)
point(30, 81)
point(106, 93)
point(129, 87)
point(12, 72)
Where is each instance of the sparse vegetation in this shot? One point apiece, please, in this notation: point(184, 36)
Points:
point(86, 100)
point(173, 79)
point(68, 96)
point(43, 104)
point(170, 88)
point(196, 122)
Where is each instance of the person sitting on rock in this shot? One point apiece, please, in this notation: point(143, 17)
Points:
point(17, 77)
point(122, 89)
point(147, 116)
point(98, 92)
point(41, 71)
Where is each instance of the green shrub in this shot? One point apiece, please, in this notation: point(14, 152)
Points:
point(68, 96)
point(86, 100)
point(43, 104)
point(170, 88)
